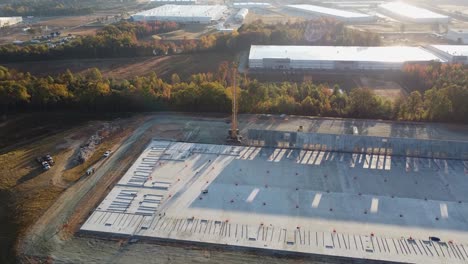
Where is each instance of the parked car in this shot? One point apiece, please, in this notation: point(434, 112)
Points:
point(49, 159)
point(90, 171)
point(46, 161)
point(45, 165)
point(107, 153)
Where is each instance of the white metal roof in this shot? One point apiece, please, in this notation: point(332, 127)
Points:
point(410, 11)
point(175, 1)
point(185, 11)
point(453, 50)
point(459, 30)
point(251, 4)
point(328, 11)
point(338, 53)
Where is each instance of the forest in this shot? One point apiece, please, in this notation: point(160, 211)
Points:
point(130, 39)
point(444, 100)
point(52, 7)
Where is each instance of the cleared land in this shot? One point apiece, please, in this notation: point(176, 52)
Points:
point(127, 68)
point(187, 32)
point(271, 16)
point(386, 89)
point(26, 189)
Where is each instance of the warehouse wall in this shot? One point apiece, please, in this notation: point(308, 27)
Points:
point(361, 144)
point(271, 63)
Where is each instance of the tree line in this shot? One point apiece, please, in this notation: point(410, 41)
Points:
point(439, 92)
point(54, 7)
point(46, 8)
point(211, 92)
point(131, 39)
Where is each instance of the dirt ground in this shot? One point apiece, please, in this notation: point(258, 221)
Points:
point(271, 16)
point(386, 89)
point(26, 189)
point(187, 31)
point(127, 68)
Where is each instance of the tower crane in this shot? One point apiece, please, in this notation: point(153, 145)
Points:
point(234, 135)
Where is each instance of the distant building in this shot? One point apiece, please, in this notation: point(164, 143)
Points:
point(451, 53)
point(458, 35)
point(341, 15)
point(9, 21)
point(412, 14)
point(176, 2)
point(201, 14)
point(251, 5)
point(241, 15)
point(338, 58)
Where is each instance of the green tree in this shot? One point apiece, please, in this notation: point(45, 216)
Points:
point(12, 93)
point(310, 106)
point(437, 104)
point(363, 103)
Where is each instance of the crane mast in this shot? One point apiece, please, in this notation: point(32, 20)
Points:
point(234, 105)
point(234, 131)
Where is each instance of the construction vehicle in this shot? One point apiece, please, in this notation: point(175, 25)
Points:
point(234, 135)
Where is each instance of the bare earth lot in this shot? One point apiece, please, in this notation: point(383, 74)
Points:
point(127, 68)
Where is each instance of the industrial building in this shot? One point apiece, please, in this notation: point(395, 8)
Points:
point(451, 53)
point(412, 14)
point(9, 21)
point(251, 5)
point(458, 35)
point(176, 2)
point(360, 4)
point(241, 15)
point(200, 14)
point(337, 58)
point(298, 193)
point(341, 15)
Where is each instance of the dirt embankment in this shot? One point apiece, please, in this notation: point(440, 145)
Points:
point(26, 190)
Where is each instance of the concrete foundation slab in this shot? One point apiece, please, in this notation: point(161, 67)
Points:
point(318, 201)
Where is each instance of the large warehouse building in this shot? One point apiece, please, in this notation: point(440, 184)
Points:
point(337, 58)
point(412, 14)
point(201, 14)
point(451, 53)
point(341, 15)
point(458, 35)
point(8, 21)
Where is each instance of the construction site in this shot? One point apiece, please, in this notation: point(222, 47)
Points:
point(337, 196)
point(229, 189)
point(319, 190)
